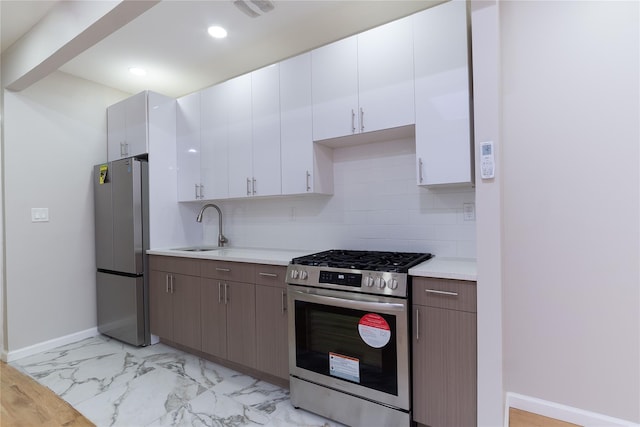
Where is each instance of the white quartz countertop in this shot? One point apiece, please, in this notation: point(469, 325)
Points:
point(252, 255)
point(447, 268)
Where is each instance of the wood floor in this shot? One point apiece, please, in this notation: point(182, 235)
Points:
point(520, 418)
point(25, 403)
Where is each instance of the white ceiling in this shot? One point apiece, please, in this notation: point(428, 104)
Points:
point(170, 40)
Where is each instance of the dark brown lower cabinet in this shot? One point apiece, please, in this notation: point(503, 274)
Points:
point(228, 320)
point(174, 300)
point(444, 353)
point(272, 331)
point(231, 310)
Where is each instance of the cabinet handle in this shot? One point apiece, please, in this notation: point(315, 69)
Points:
point(226, 270)
point(420, 169)
point(172, 277)
point(196, 186)
point(417, 324)
point(433, 291)
point(248, 187)
point(253, 185)
point(126, 148)
point(219, 292)
point(121, 149)
point(268, 274)
point(283, 306)
point(361, 120)
point(226, 298)
point(308, 179)
point(202, 191)
point(167, 283)
point(353, 121)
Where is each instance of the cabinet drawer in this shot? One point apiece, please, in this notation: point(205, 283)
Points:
point(444, 293)
point(228, 270)
point(178, 265)
point(272, 275)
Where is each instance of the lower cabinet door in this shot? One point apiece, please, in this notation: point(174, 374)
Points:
point(444, 367)
point(160, 305)
point(186, 310)
point(241, 323)
point(271, 331)
point(214, 318)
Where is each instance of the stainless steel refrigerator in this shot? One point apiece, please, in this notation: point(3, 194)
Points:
point(122, 239)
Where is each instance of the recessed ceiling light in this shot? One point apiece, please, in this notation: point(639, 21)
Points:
point(137, 71)
point(217, 32)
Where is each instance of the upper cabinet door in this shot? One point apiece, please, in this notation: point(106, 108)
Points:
point(136, 119)
point(265, 107)
point(127, 128)
point(214, 168)
point(116, 131)
point(334, 71)
point(443, 130)
point(188, 147)
point(296, 122)
point(240, 134)
point(385, 76)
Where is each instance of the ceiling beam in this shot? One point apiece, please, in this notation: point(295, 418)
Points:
point(69, 29)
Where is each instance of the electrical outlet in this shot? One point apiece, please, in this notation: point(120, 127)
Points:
point(39, 214)
point(469, 211)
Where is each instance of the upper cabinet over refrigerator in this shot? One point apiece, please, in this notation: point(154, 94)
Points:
point(128, 124)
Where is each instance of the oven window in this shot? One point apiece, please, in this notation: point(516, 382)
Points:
point(328, 342)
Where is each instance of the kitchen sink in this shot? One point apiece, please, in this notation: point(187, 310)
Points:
point(196, 249)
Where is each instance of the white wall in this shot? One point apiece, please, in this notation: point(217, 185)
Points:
point(571, 216)
point(376, 205)
point(54, 132)
point(486, 96)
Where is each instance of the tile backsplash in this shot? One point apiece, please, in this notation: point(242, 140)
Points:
point(376, 205)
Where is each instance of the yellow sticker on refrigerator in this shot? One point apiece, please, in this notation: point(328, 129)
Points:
point(103, 173)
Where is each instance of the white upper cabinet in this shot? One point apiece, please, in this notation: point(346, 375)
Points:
point(385, 76)
point(335, 89)
point(300, 173)
point(364, 83)
point(443, 131)
point(238, 100)
point(214, 167)
point(127, 132)
point(265, 110)
point(188, 147)
point(202, 145)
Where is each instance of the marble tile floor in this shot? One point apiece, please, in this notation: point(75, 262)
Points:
point(114, 384)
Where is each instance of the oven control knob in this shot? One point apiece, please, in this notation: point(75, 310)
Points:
point(303, 275)
point(393, 284)
point(368, 281)
point(294, 274)
point(379, 282)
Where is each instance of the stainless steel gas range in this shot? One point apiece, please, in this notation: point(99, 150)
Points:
point(349, 356)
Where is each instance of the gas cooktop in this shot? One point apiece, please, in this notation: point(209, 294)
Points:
point(392, 262)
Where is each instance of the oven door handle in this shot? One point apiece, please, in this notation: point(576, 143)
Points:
point(381, 307)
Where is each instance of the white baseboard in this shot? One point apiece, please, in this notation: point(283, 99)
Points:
point(48, 345)
point(561, 412)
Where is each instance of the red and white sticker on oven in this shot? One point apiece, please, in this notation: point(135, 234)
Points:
point(374, 330)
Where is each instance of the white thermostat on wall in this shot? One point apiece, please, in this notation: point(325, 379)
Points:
point(487, 161)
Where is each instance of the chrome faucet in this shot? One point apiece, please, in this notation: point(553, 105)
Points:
point(221, 239)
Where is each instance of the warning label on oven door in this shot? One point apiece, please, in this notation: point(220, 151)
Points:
point(344, 367)
point(374, 330)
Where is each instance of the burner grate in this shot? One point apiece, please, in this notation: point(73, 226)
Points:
point(394, 262)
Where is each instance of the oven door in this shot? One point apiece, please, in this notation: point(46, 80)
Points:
point(354, 343)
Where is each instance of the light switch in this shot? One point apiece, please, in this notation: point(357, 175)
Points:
point(39, 214)
point(469, 210)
